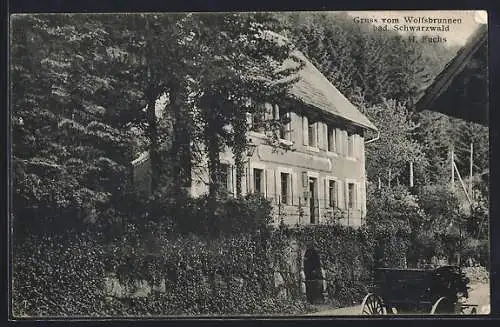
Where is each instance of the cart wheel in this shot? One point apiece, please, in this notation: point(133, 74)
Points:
point(373, 305)
point(443, 306)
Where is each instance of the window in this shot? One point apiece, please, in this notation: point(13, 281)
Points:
point(312, 133)
point(331, 138)
point(225, 178)
point(351, 196)
point(332, 193)
point(257, 180)
point(350, 145)
point(258, 122)
point(284, 117)
point(285, 188)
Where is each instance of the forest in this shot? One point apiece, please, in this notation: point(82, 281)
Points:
point(90, 92)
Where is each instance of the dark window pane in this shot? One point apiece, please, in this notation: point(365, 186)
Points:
point(284, 187)
point(257, 177)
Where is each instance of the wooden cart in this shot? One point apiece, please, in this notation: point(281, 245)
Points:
point(418, 291)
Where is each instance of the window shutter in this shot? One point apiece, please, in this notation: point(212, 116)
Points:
point(269, 111)
point(358, 195)
point(295, 190)
point(340, 194)
point(336, 194)
point(249, 119)
point(338, 136)
point(326, 197)
point(270, 190)
point(346, 140)
point(346, 195)
point(305, 130)
point(288, 127)
point(322, 141)
point(357, 151)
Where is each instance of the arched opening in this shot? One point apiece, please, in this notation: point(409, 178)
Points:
point(313, 277)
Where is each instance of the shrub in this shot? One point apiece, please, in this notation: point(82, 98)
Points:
point(393, 213)
point(58, 275)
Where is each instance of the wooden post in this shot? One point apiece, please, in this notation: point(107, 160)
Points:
point(452, 168)
point(470, 169)
point(462, 183)
point(411, 173)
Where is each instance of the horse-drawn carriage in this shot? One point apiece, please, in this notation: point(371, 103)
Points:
point(418, 291)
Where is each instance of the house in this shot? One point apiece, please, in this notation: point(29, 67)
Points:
point(325, 171)
point(322, 176)
point(461, 89)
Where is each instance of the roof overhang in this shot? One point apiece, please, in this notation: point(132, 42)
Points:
point(461, 89)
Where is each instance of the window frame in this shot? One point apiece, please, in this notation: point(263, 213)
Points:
point(261, 180)
point(352, 205)
point(228, 185)
point(286, 194)
point(331, 142)
point(312, 124)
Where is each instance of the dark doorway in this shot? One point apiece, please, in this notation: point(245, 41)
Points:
point(314, 277)
point(312, 200)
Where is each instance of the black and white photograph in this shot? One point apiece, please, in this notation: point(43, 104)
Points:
point(249, 164)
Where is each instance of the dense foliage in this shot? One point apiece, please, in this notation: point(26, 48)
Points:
point(92, 92)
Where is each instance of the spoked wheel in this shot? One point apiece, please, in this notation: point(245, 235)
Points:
point(443, 306)
point(373, 305)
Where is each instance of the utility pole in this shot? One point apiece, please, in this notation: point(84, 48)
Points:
point(411, 173)
point(452, 168)
point(389, 183)
point(470, 168)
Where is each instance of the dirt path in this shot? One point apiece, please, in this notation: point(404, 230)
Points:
point(478, 294)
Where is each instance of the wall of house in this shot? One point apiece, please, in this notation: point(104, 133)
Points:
point(301, 164)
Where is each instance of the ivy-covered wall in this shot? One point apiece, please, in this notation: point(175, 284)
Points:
point(165, 267)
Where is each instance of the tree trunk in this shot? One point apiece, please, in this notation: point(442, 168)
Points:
point(240, 143)
point(212, 143)
point(152, 133)
point(181, 170)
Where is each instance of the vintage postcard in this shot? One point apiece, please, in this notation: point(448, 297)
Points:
point(263, 164)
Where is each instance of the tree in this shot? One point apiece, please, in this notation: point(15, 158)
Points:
point(231, 79)
point(68, 154)
point(391, 162)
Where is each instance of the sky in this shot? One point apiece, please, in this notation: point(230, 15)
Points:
point(458, 34)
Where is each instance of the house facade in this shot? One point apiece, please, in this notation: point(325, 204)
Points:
point(323, 177)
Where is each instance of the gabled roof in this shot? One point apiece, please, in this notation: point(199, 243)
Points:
point(450, 93)
point(314, 89)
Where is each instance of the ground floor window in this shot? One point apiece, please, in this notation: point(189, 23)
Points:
point(332, 193)
point(351, 195)
point(285, 188)
point(258, 179)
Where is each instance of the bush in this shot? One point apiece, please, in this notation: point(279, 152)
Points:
point(393, 214)
point(58, 276)
point(187, 215)
point(346, 257)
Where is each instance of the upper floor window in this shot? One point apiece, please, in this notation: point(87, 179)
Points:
point(331, 138)
point(285, 127)
point(257, 122)
point(350, 145)
point(312, 133)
